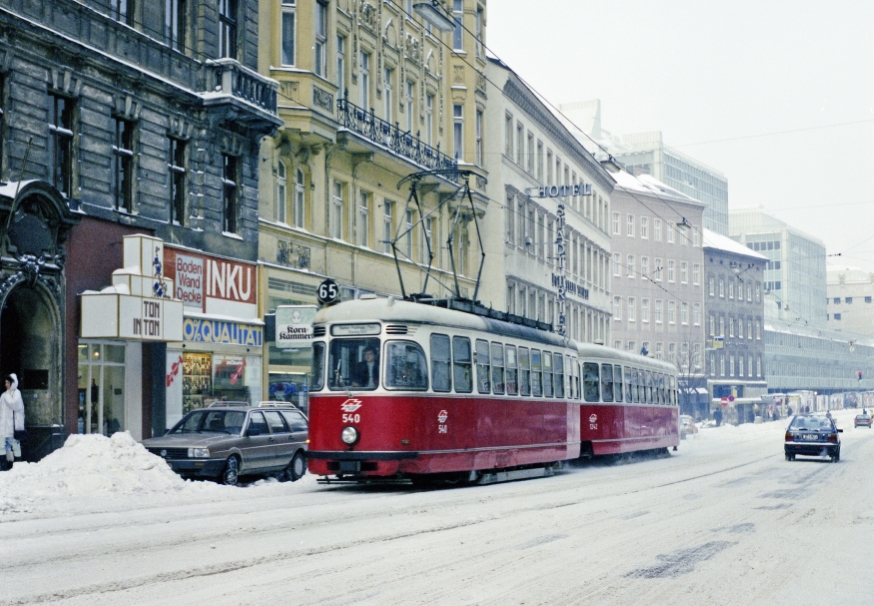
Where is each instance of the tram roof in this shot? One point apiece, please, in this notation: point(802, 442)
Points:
point(391, 309)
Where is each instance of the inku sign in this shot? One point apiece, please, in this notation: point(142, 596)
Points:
point(213, 285)
point(294, 326)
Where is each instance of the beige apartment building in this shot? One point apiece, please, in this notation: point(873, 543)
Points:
point(369, 94)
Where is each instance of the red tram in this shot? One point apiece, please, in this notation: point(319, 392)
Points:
point(404, 389)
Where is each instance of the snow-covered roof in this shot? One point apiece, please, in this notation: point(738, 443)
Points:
point(650, 185)
point(718, 241)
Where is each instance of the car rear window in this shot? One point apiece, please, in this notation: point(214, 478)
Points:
point(811, 423)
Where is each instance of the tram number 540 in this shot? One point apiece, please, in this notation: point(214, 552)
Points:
point(349, 418)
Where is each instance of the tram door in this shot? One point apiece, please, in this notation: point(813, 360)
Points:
point(101, 387)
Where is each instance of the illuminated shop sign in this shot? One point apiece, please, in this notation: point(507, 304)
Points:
point(213, 285)
point(560, 191)
point(572, 288)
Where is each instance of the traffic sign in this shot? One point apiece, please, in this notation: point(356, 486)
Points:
point(724, 401)
point(328, 292)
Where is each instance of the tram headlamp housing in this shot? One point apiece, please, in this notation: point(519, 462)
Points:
point(349, 435)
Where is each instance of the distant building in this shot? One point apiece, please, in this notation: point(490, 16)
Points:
point(850, 295)
point(657, 279)
point(647, 154)
point(795, 275)
point(734, 311)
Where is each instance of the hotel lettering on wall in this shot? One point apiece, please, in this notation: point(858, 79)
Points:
point(213, 285)
point(572, 288)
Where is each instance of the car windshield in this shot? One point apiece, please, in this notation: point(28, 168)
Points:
point(211, 421)
point(811, 423)
point(862, 417)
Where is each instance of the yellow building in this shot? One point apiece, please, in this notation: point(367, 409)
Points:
point(369, 94)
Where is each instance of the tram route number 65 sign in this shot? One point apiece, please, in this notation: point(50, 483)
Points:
point(328, 292)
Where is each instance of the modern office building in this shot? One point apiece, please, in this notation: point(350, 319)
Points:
point(543, 179)
point(795, 275)
point(850, 295)
point(658, 278)
point(647, 154)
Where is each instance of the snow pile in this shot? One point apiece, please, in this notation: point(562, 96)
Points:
point(89, 466)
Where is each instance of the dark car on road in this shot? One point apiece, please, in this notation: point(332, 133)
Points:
point(813, 436)
point(225, 442)
point(862, 421)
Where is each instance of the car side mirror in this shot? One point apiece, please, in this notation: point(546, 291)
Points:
point(253, 431)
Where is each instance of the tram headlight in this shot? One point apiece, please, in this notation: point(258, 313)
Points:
point(349, 435)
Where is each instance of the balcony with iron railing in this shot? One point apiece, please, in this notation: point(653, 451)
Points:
point(401, 142)
point(252, 95)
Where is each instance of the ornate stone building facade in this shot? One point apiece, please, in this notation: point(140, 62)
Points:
point(117, 118)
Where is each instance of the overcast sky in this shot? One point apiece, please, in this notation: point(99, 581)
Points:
point(718, 78)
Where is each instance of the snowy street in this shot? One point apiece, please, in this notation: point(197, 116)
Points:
point(724, 520)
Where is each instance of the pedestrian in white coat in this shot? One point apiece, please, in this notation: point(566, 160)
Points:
point(11, 416)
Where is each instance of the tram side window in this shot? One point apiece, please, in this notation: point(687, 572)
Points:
point(662, 395)
point(577, 377)
point(482, 366)
point(441, 377)
point(635, 385)
point(317, 370)
point(524, 373)
point(617, 382)
point(590, 381)
point(512, 372)
point(607, 382)
point(547, 374)
point(536, 373)
point(629, 387)
point(353, 363)
point(406, 366)
point(559, 376)
point(461, 364)
point(648, 390)
point(498, 367)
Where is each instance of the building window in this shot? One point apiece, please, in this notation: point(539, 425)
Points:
point(644, 310)
point(363, 226)
point(425, 250)
point(387, 95)
point(644, 267)
point(458, 131)
point(617, 308)
point(712, 323)
point(721, 287)
point(670, 270)
point(364, 78)
point(122, 11)
point(321, 39)
point(408, 234)
point(731, 288)
point(657, 230)
point(288, 36)
point(672, 353)
point(230, 193)
point(631, 308)
point(60, 118)
point(122, 165)
point(657, 270)
point(281, 192)
point(299, 199)
point(696, 314)
point(672, 312)
point(530, 153)
point(508, 135)
point(337, 206)
point(848, 300)
point(174, 24)
point(480, 160)
point(644, 227)
point(722, 326)
point(658, 311)
point(177, 166)
point(458, 32)
point(696, 274)
point(617, 262)
point(711, 281)
point(540, 161)
point(478, 28)
point(630, 266)
point(228, 29)
point(749, 328)
point(696, 238)
point(721, 365)
point(387, 225)
point(429, 118)
point(341, 67)
point(629, 226)
point(520, 144)
point(837, 316)
point(684, 313)
point(731, 365)
point(867, 299)
point(684, 272)
point(410, 96)
point(670, 233)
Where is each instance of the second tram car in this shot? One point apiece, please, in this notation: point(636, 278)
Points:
point(403, 389)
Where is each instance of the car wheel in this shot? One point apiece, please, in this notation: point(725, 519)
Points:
point(296, 469)
point(231, 474)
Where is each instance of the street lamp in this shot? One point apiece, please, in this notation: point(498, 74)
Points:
point(432, 13)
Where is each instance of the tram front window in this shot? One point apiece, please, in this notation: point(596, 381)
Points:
point(317, 370)
point(353, 364)
point(406, 367)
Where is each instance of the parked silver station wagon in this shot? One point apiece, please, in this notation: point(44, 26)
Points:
point(224, 442)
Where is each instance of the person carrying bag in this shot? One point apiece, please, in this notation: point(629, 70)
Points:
point(11, 420)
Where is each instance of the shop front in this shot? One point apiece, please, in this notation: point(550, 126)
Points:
point(221, 350)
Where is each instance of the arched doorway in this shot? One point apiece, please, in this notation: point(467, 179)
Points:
point(30, 346)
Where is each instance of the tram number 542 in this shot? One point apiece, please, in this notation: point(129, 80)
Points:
point(350, 418)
